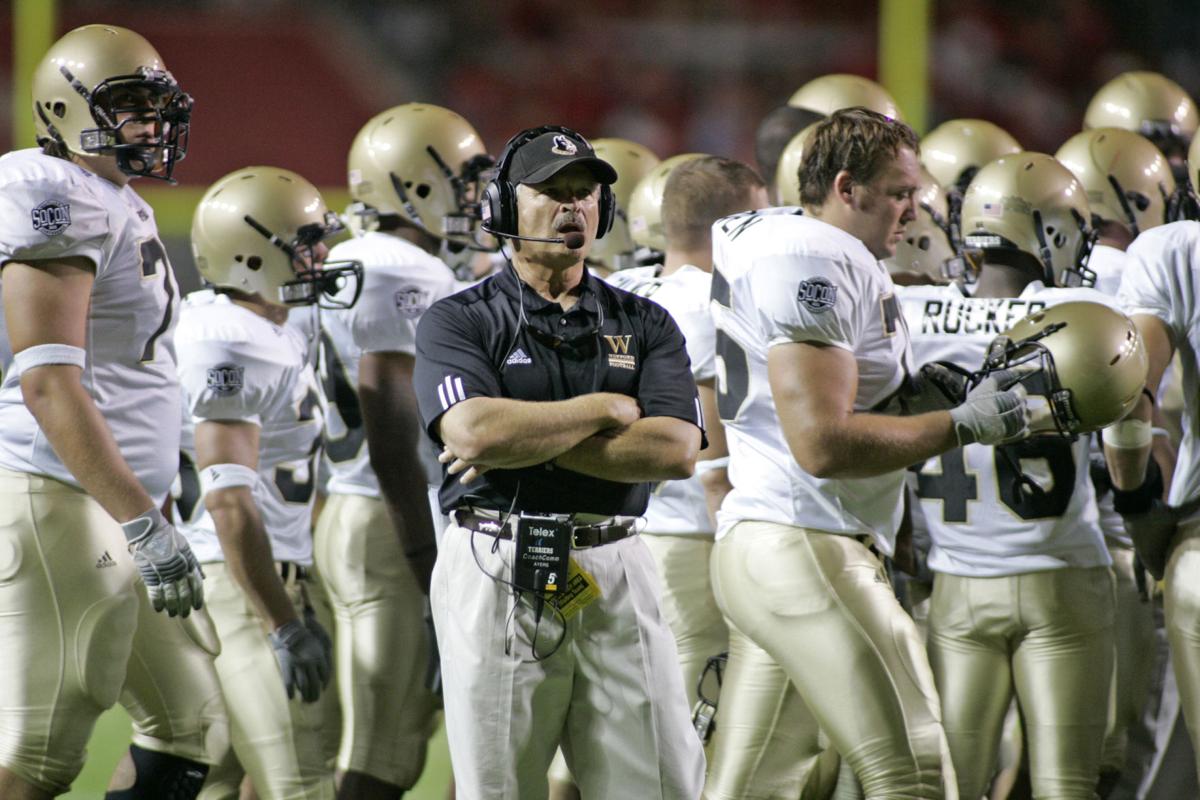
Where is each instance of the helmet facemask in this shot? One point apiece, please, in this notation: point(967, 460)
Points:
point(1035, 362)
point(327, 285)
point(149, 96)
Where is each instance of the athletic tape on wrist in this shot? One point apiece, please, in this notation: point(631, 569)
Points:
point(711, 464)
point(226, 476)
point(1128, 434)
point(43, 355)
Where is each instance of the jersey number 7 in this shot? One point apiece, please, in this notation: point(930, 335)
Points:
point(154, 261)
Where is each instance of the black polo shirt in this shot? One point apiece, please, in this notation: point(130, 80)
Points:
point(474, 344)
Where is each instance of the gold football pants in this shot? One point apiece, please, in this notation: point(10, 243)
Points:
point(286, 746)
point(767, 745)
point(382, 645)
point(1049, 636)
point(68, 611)
point(687, 601)
point(1181, 604)
point(1135, 645)
point(822, 607)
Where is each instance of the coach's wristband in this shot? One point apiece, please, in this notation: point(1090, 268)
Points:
point(226, 476)
point(44, 355)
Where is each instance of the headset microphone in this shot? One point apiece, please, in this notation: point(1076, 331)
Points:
point(572, 239)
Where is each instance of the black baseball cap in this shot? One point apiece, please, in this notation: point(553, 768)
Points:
point(544, 156)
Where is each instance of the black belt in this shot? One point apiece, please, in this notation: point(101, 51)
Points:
point(583, 536)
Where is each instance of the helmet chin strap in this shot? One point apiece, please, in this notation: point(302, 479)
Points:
point(1044, 254)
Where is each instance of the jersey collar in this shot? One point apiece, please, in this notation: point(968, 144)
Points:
point(520, 292)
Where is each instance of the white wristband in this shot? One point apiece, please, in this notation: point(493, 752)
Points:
point(226, 476)
point(43, 355)
point(711, 464)
point(1128, 434)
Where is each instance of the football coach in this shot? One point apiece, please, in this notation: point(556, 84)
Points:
point(556, 399)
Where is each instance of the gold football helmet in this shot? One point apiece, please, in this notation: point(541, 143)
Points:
point(830, 93)
point(632, 162)
point(1127, 179)
point(257, 230)
point(99, 78)
point(925, 248)
point(955, 150)
point(787, 174)
point(422, 163)
point(1092, 358)
point(1147, 103)
point(645, 203)
point(1031, 203)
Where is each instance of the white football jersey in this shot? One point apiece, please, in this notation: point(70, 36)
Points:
point(1109, 263)
point(400, 281)
point(237, 366)
point(1162, 280)
point(5, 347)
point(779, 278)
point(679, 506)
point(51, 209)
point(982, 522)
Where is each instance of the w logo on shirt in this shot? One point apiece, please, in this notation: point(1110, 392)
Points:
point(618, 344)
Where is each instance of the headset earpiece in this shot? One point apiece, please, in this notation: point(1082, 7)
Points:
point(607, 211)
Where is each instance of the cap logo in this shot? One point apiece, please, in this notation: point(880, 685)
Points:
point(563, 146)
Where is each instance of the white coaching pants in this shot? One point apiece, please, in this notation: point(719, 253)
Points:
point(611, 693)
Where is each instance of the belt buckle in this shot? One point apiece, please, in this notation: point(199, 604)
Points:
point(575, 545)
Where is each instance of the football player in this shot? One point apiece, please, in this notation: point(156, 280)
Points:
point(251, 389)
point(1152, 105)
point(617, 250)
point(89, 420)
point(778, 128)
point(787, 173)
point(809, 341)
point(645, 207)
point(411, 171)
point(955, 150)
point(1157, 291)
point(829, 93)
point(1130, 189)
point(1023, 597)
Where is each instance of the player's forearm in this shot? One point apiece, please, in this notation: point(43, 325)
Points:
point(651, 449)
point(248, 557)
point(82, 439)
point(509, 434)
point(716, 485)
point(1127, 446)
point(393, 429)
point(861, 445)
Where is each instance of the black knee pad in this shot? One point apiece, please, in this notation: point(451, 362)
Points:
point(161, 776)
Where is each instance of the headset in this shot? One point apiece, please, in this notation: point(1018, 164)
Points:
point(498, 207)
